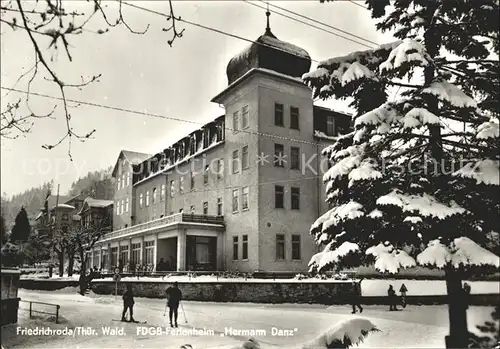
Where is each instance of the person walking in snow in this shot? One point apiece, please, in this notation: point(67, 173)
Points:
point(128, 303)
point(392, 298)
point(403, 291)
point(174, 296)
point(356, 296)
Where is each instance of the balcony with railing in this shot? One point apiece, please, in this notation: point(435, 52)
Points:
point(178, 218)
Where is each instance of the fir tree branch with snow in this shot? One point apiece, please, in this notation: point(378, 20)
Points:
point(417, 181)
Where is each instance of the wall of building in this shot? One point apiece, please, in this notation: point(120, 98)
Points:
point(286, 221)
point(242, 222)
point(154, 210)
point(123, 219)
point(198, 194)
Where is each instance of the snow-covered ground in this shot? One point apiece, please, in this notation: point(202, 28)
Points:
point(416, 326)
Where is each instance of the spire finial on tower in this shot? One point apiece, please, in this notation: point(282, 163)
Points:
point(268, 28)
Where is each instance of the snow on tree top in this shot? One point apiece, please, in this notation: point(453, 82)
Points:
point(342, 167)
point(356, 71)
point(413, 219)
point(376, 213)
point(483, 171)
point(417, 117)
point(425, 204)
point(344, 335)
point(365, 171)
point(463, 251)
point(350, 210)
point(488, 130)
point(407, 51)
point(382, 114)
point(393, 261)
point(325, 258)
point(445, 91)
point(366, 55)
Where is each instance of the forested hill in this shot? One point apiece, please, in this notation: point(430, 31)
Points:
point(98, 184)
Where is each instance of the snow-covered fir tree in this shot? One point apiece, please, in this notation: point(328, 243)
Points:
point(417, 181)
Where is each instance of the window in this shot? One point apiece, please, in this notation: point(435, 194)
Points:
point(147, 197)
point(119, 182)
point(219, 206)
point(236, 161)
point(122, 207)
point(278, 114)
point(118, 207)
point(244, 157)
point(244, 117)
point(296, 247)
point(220, 169)
point(114, 257)
point(244, 248)
point(235, 200)
point(236, 117)
point(294, 158)
point(136, 253)
point(123, 180)
point(124, 255)
point(162, 192)
point(205, 207)
point(330, 125)
point(192, 180)
point(172, 188)
point(280, 246)
point(205, 175)
point(244, 199)
point(149, 249)
point(192, 209)
point(279, 192)
point(295, 198)
point(126, 205)
point(235, 248)
point(279, 157)
point(181, 184)
point(155, 196)
point(127, 179)
point(294, 118)
point(65, 217)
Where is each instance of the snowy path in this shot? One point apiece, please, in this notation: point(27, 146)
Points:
point(414, 327)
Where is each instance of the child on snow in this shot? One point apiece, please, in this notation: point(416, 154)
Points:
point(356, 296)
point(403, 291)
point(392, 298)
point(128, 303)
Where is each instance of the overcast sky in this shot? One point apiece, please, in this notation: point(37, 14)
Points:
point(141, 72)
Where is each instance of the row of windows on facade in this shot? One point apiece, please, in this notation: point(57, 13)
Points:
point(188, 146)
point(279, 195)
point(237, 164)
point(123, 181)
point(280, 247)
point(279, 117)
point(135, 254)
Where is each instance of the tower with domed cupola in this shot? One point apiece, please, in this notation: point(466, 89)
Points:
point(269, 125)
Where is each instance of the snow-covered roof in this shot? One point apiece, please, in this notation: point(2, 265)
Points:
point(132, 157)
point(65, 206)
point(98, 203)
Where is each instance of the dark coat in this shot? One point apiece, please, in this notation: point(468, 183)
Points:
point(128, 298)
point(174, 296)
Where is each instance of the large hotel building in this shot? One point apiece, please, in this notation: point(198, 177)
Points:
point(241, 192)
